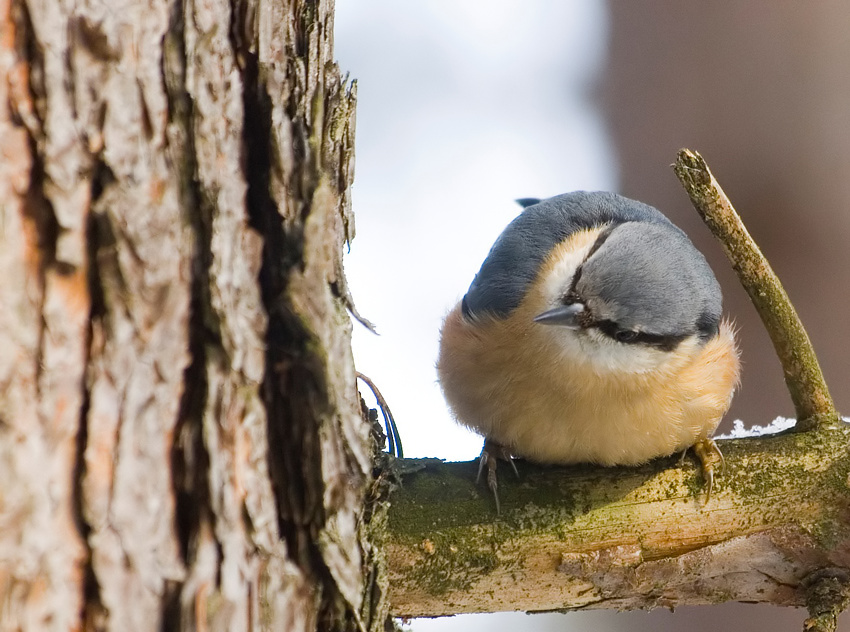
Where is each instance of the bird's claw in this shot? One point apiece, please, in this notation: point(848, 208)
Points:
point(709, 456)
point(490, 454)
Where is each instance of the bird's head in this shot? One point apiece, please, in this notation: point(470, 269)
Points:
point(631, 298)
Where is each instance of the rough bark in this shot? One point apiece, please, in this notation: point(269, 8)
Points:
point(180, 438)
point(625, 538)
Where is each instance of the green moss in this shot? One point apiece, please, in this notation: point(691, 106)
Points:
point(671, 490)
point(441, 574)
point(694, 484)
point(542, 500)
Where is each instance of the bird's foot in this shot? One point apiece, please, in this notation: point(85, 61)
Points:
point(710, 457)
point(490, 454)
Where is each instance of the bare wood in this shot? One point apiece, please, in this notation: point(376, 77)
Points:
point(803, 375)
point(590, 537)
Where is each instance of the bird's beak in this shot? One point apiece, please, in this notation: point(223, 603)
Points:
point(564, 315)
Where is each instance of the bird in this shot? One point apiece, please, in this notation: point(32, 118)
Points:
point(593, 333)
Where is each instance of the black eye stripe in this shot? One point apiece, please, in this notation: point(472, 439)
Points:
point(625, 335)
point(572, 296)
point(600, 239)
point(664, 342)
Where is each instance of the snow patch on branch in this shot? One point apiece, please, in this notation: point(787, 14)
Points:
point(739, 431)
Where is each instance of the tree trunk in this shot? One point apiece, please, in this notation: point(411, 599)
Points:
point(179, 436)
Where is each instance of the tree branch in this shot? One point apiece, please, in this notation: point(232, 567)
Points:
point(802, 372)
point(593, 537)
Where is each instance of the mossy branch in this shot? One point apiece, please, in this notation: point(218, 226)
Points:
point(626, 538)
point(812, 401)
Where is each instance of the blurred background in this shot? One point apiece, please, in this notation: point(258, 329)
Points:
point(464, 106)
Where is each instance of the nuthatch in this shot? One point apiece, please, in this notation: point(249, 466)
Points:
point(591, 334)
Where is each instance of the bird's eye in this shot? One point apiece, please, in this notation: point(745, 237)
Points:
point(625, 335)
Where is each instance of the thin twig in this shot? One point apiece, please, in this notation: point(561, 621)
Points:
point(344, 292)
point(803, 376)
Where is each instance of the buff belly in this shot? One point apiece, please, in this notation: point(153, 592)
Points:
point(549, 407)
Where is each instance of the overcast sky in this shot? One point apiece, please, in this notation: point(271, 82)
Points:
point(462, 108)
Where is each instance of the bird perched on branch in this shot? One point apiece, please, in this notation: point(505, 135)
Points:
point(591, 334)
